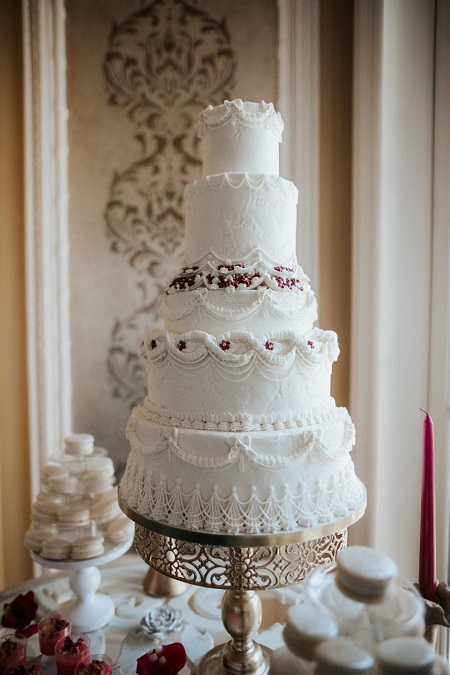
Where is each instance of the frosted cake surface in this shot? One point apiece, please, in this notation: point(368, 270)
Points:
point(239, 432)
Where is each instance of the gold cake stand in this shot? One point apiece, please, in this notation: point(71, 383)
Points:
point(239, 564)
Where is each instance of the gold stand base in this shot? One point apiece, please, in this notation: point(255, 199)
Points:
point(241, 616)
point(238, 564)
point(211, 664)
point(161, 586)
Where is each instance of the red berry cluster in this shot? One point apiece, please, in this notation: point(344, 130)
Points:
point(225, 344)
point(311, 344)
point(185, 280)
point(269, 345)
point(229, 276)
point(223, 279)
point(153, 344)
point(181, 345)
point(282, 268)
point(289, 283)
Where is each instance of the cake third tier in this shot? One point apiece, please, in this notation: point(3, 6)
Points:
point(239, 432)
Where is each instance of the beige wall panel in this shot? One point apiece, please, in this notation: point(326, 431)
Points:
point(336, 36)
point(137, 77)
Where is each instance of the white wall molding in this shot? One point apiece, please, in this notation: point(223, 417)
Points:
point(440, 315)
point(299, 92)
point(365, 253)
point(46, 214)
point(392, 217)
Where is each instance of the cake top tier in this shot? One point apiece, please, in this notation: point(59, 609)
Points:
point(240, 136)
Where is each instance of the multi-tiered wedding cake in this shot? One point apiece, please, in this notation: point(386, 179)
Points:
point(239, 432)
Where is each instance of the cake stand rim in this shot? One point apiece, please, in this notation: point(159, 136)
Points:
point(73, 564)
point(244, 540)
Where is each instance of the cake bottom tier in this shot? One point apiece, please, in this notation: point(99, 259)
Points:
point(244, 482)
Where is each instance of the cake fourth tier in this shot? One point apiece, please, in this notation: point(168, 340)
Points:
point(239, 432)
point(240, 477)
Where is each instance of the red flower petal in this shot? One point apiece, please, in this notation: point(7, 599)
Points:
point(20, 612)
point(31, 630)
point(164, 660)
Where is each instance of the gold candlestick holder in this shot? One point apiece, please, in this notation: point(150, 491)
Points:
point(239, 564)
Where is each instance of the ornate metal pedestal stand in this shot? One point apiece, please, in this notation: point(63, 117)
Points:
point(240, 565)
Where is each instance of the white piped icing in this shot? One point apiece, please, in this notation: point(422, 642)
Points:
point(238, 112)
point(238, 180)
point(245, 486)
point(231, 215)
point(240, 421)
point(248, 310)
point(253, 272)
point(238, 432)
point(236, 371)
point(240, 137)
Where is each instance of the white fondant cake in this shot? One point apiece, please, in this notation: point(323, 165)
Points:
point(239, 432)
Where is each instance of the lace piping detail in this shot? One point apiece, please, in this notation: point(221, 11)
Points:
point(202, 300)
point(239, 452)
point(235, 180)
point(237, 112)
point(239, 349)
point(201, 420)
point(289, 511)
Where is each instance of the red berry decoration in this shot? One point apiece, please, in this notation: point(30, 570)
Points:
point(166, 659)
point(181, 345)
point(153, 344)
point(311, 344)
point(269, 345)
point(225, 344)
point(19, 613)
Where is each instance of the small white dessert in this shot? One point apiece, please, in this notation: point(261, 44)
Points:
point(363, 572)
point(73, 515)
point(342, 657)
point(405, 655)
point(104, 511)
point(87, 547)
point(120, 530)
point(79, 445)
point(36, 535)
point(306, 628)
point(55, 548)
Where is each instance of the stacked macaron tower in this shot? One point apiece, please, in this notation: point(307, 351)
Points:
point(76, 515)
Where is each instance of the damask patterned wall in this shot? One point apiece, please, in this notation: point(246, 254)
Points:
point(138, 73)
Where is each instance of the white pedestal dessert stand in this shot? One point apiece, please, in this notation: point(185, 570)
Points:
point(239, 564)
point(89, 610)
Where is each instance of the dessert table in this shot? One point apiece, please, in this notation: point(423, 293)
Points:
point(123, 581)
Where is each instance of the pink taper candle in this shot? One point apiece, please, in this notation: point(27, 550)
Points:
point(427, 556)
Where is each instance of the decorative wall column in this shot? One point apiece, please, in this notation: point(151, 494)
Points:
point(393, 230)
